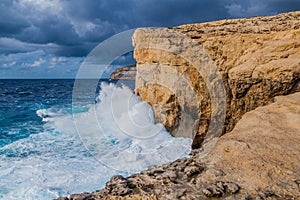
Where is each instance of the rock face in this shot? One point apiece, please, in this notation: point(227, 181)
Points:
point(256, 62)
point(259, 159)
point(124, 73)
point(262, 151)
point(257, 59)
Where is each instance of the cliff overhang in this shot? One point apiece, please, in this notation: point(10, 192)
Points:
point(251, 60)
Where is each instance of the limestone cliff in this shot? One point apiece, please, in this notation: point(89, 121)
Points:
point(124, 73)
point(259, 159)
point(253, 61)
point(257, 59)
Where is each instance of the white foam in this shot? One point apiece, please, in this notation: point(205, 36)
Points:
point(119, 133)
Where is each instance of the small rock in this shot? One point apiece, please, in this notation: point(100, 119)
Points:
point(175, 163)
point(116, 178)
point(265, 194)
point(159, 177)
point(269, 193)
point(192, 170)
point(171, 175)
point(206, 192)
point(62, 198)
point(247, 197)
point(118, 185)
point(180, 167)
point(183, 160)
point(100, 193)
point(193, 181)
point(258, 197)
point(220, 186)
point(231, 188)
point(180, 192)
point(298, 182)
point(152, 167)
point(155, 170)
point(82, 196)
point(121, 191)
point(215, 191)
point(195, 152)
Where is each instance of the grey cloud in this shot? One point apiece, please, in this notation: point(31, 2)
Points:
point(278, 6)
point(258, 7)
point(11, 45)
point(74, 27)
point(11, 22)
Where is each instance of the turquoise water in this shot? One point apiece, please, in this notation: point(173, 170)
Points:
point(51, 148)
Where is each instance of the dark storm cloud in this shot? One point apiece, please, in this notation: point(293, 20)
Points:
point(283, 5)
point(74, 27)
point(237, 8)
point(10, 21)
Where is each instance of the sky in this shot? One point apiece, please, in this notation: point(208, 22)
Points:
point(51, 38)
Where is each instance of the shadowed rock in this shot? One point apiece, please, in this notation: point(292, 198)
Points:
point(257, 58)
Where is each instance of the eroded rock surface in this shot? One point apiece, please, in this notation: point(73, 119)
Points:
point(259, 159)
point(124, 73)
point(257, 58)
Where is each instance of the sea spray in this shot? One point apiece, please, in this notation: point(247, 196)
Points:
point(122, 139)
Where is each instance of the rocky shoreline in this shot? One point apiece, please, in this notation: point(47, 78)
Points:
point(258, 157)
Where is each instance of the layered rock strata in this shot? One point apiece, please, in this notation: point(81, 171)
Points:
point(259, 159)
point(257, 59)
point(124, 73)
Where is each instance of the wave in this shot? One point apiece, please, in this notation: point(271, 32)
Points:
point(80, 150)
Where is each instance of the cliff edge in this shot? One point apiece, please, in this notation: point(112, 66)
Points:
point(256, 63)
point(256, 58)
point(124, 73)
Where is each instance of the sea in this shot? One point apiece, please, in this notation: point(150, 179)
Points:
point(54, 142)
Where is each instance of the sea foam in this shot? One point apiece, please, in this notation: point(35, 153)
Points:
point(80, 151)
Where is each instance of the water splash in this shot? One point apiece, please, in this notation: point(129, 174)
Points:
point(123, 139)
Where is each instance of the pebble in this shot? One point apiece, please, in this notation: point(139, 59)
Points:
point(192, 170)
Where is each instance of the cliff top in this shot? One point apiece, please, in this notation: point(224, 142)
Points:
point(254, 25)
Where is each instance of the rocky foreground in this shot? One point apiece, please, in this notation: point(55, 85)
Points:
point(258, 157)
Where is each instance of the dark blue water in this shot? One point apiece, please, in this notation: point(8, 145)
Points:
point(19, 101)
point(43, 126)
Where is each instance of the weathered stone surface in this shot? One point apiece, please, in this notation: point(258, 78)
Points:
point(259, 159)
point(124, 73)
point(83, 196)
point(262, 151)
point(63, 198)
point(257, 58)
